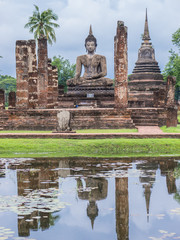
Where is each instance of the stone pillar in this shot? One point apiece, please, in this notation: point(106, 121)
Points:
point(121, 67)
point(32, 75)
point(170, 103)
point(55, 85)
point(170, 91)
point(42, 73)
point(122, 209)
point(2, 99)
point(50, 103)
point(12, 100)
point(22, 74)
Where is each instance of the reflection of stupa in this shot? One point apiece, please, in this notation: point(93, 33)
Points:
point(92, 211)
point(147, 178)
point(95, 189)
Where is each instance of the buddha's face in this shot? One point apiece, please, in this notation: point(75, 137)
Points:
point(90, 46)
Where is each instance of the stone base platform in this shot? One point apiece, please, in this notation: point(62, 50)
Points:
point(87, 96)
point(149, 116)
point(147, 93)
point(46, 119)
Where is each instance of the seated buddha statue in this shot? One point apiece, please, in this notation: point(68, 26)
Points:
point(94, 65)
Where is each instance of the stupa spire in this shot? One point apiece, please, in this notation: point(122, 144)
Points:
point(90, 30)
point(146, 36)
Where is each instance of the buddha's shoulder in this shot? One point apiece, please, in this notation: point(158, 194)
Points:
point(82, 57)
point(99, 56)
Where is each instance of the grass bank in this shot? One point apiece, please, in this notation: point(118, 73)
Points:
point(78, 131)
point(91, 147)
point(171, 129)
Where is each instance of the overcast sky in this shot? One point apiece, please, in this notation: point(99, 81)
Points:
point(75, 16)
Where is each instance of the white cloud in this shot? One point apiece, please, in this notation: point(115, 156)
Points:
point(75, 18)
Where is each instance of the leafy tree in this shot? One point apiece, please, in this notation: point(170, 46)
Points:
point(176, 38)
point(8, 84)
point(172, 68)
point(66, 70)
point(42, 24)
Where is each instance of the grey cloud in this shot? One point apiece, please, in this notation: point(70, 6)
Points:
point(75, 16)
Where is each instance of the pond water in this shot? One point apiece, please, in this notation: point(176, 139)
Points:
point(88, 198)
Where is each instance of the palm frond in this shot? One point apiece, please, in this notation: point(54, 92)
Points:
point(41, 24)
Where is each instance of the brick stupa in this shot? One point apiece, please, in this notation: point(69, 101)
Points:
point(146, 85)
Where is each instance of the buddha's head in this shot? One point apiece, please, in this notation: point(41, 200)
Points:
point(90, 42)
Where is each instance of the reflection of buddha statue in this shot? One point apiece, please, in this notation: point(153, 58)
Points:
point(94, 66)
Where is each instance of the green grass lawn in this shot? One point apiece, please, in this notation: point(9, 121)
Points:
point(23, 131)
point(78, 131)
point(88, 148)
point(171, 129)
point(107, 130)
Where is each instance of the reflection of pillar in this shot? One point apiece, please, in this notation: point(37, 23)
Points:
point(120, 66)
point(167, 169)
point(122, 209)
point(2, 170)
point(171, 182)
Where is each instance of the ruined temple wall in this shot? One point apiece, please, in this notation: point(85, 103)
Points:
point(121, 66)
point(2, 99)
point(52, 96)
point(50, 86)
point(22, 74)
point(37, 86)
point(26, 74)
point(55, 85)
point(12, 100)
point(32, 75)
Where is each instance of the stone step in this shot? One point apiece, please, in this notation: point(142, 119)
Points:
point(145, 121)
point(147, 124)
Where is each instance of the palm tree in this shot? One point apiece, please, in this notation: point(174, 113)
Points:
point(41, 24)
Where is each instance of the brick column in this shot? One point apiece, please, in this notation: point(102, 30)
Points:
point(50, 86)
point(2, 99)
point(55, 85)
point(170, 103)
point(32, 75)
point(121, 67)
point(12, 100)
point(22, 74)
point(42, 73)
point(170, 91)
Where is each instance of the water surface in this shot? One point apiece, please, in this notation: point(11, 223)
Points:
point(89, 198)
